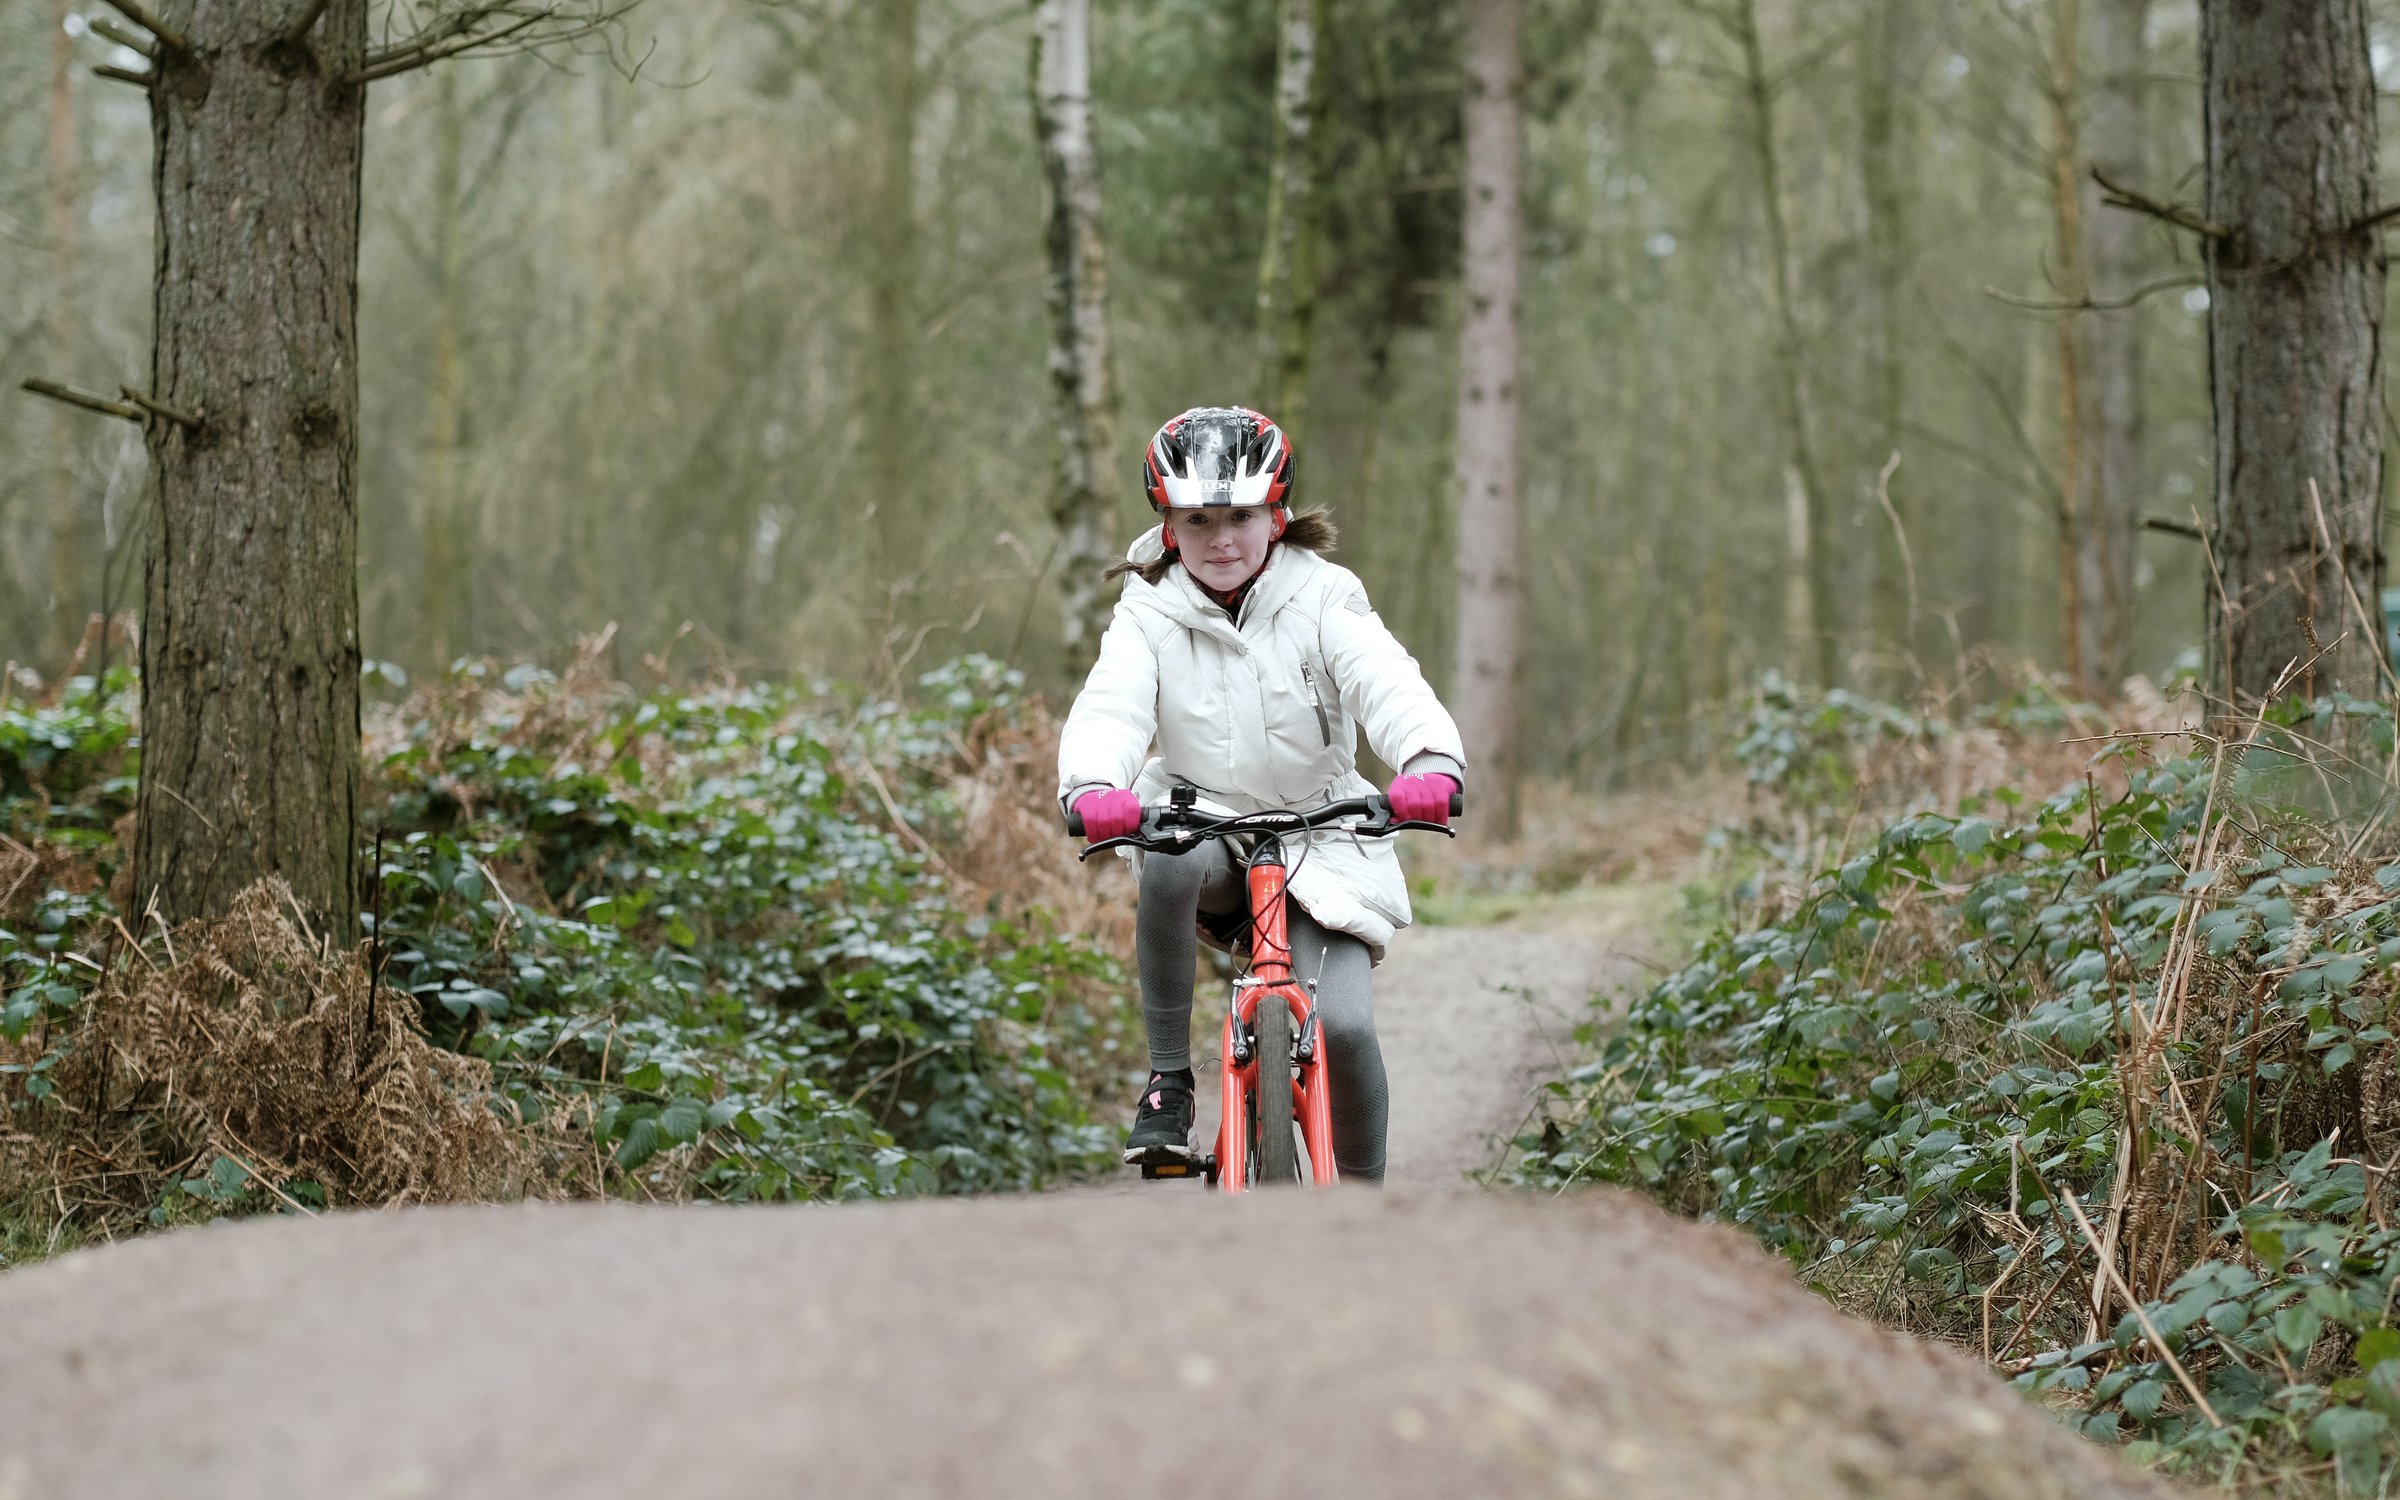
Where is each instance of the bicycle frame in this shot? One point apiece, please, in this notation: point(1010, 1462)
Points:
point(1178, 829)
point(1270, 981)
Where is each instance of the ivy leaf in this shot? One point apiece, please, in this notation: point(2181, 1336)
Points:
point(642, 1141)
point(2142, 1399)
point(2377, 1345)
point(2342, 1429)
point(682, 1120)
point(2297, 1328)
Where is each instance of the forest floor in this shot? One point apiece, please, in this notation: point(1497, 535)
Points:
point(1448, 1342)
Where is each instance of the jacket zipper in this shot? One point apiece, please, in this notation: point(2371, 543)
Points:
point(1323, 727)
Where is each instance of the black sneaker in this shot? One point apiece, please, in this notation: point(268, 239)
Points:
point(1162, 1121)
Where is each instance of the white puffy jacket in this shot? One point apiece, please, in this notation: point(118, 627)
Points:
point(1263, 715)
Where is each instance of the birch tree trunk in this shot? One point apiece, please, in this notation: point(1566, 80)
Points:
point(1490, 570)
point(1810, 531)
point(1080, 375)
point(67, 531)
point(2111, 486)
point(2296, 290)
point(1287, 291)
point(250, 753)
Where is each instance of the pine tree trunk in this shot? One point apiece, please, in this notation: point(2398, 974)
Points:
point(1811, 553)
point(2111, 487)
point(1080, 374)
point(1287, 293)
point(250, 750)
point(1490, 570)
point(2295, 346)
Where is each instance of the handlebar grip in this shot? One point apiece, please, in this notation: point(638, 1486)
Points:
point(1458, 804)
point(1075, 821)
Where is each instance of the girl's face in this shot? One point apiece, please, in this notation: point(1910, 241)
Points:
point(1223, 548)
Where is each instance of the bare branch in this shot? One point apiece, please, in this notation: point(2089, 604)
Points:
point(2096, 304)
point(158, 408)
point(304, 23)
point(432, 36)
point(2118, 196)
point(84, 399)
point(130, 40)
point(2174, 528)
point(126, 75)
point(413, 58)
point(2376, 219)
point(139, 15)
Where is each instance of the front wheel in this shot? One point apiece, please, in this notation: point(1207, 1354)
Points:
point(1271, 1127)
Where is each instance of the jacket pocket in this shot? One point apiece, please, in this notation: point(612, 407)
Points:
point(1316, 701)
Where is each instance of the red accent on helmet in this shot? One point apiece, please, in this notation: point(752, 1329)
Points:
point(1277, 498)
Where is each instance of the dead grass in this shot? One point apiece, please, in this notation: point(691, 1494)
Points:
point(257, 1042)
point(1009, 853)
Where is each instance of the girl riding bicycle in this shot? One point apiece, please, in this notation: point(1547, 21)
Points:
point(1250, 663)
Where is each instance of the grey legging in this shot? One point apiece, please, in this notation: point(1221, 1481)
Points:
point(1178, 890)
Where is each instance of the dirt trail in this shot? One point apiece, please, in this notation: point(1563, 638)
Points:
point(1154, 1342)
point(1472, 1019)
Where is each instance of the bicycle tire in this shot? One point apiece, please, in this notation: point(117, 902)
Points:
point(1278, 1158)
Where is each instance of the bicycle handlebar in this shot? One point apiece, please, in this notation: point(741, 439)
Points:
point(1168, 828)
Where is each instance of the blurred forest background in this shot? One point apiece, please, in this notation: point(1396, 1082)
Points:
point(753, 341)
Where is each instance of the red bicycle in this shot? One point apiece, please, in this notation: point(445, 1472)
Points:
point(1274, 1083)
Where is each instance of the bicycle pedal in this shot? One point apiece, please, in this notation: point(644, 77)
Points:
point(1156, 1171)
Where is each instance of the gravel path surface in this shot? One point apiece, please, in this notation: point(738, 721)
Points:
point(1472, 1019)
point(1448, 1344)
point(1146, 1340)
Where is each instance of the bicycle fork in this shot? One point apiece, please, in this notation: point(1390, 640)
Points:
point(1270, 981)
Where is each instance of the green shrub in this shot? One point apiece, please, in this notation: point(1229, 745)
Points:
point(682, 926)
point(2166, 991)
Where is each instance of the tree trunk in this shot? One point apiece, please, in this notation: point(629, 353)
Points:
point(889, 389)
point(2295, 346)
point(1490, 570)
point(2074, 286)
point(67, 529)
point(250, 753)
point(445, 593)
point(1884, 161)
point(1287, 267)
point(1804, 481)
point(2111, 487)
point(1080, 376)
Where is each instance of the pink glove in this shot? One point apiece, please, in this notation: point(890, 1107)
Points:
point(1422, 799)
point(1110, 813)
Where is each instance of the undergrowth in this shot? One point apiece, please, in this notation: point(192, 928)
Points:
point(2098, 1080)
point(752, 941)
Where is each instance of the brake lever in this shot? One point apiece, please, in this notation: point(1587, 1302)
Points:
point(1155, 822)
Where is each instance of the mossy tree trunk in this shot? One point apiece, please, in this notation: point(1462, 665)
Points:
point(1085, 398)
point(250, 657)
point(2111, 486)
point(888, 390)
point(1287, 267)
point(1490, 568)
